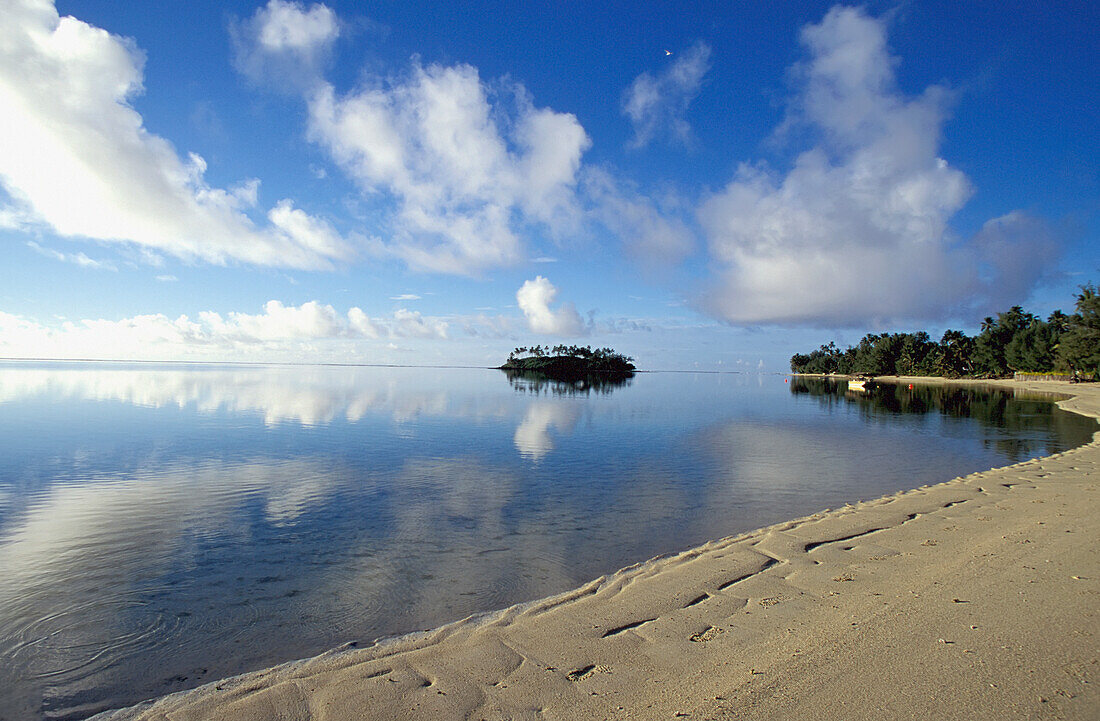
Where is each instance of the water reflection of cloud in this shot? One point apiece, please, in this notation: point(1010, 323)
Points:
point(776, 471)
point(777, 458)
point(285, 502)
point(532, 437)
point(76, 525)
point(89, 567)
point(461, 539)
point(106, 566)
point(408, 408)
point(303, 394)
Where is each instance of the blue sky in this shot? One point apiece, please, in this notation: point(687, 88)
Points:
point(717, 186)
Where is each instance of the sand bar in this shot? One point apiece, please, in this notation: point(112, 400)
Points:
point(977, 598)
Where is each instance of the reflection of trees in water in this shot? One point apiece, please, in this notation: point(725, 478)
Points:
point(586, 384)
point(1025, 424)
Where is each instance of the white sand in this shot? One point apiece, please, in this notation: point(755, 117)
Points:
point(972, 599)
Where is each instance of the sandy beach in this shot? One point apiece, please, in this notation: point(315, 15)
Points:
point(975, 598)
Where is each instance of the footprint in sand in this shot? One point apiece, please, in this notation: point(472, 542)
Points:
point(706, 635)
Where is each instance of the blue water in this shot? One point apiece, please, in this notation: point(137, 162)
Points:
point(163, 526)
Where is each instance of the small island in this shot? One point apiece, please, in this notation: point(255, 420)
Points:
point(569, 363)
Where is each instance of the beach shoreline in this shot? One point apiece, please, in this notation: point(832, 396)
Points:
point(972, 598)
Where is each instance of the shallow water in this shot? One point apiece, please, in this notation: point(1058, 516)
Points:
point(162, 526)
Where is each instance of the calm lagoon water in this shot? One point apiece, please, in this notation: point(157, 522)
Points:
point(164, 526)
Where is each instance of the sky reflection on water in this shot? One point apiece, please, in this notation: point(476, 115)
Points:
point(164, 526)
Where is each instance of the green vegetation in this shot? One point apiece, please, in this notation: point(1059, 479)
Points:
point(1014, 341)
point(569, 362)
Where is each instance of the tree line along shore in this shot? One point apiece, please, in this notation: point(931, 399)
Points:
point(1012, 343)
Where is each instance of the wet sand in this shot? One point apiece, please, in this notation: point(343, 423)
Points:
point(977, 598)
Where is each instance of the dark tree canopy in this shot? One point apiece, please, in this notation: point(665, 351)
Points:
point(1013, 341)
point(1079, 345)
point(569, 361)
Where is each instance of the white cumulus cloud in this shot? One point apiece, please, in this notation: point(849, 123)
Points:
point(76, 156)
point(534, 298)
point(78, 258)
point(411, 324)
point(278, 322)
point(658, 104)
point(654, 235)
point(857, 230)
point(285, 42)
point(463, 184)
point(467, 166)
point(278, 331)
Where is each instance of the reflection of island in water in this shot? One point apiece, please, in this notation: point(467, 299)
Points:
point(1023, 418)
point(535, 382)
point(567, 370)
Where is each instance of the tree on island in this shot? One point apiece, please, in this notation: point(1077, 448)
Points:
point(562, 360)
point(1013, 341)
